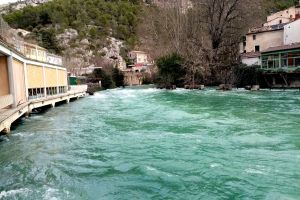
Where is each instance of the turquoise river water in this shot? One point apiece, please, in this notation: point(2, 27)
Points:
point(155, 144)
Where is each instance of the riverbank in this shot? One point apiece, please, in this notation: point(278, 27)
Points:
point(157, 144)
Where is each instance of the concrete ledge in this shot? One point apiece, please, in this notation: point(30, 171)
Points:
point(8, 116)
point(6, 101)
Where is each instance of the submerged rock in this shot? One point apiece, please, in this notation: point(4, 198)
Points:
point(195, 87)
point(225, 87)
point(255, 88)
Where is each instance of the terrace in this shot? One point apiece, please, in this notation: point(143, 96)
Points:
point(283, 58)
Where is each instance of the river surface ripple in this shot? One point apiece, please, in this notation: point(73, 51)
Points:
point(155, 144)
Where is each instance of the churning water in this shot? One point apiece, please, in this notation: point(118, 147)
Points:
point(156, 144)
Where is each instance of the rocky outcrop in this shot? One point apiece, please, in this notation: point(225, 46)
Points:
point(67, 36)
point(81, 54)
point(225, 87)
point(112, 52)
point(184, 4)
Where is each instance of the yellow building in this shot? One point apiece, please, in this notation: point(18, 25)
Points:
point(34, 52)
point(29, 75)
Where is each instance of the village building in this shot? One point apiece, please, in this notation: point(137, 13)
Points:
point(284, 16)
point(139, 62)
point(27, 70)
point(281, 28)
point(30, 78)
point(292, 33)
point(281, 66)
point(275, 47)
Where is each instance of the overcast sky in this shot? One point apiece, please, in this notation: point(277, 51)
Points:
point(6, 1)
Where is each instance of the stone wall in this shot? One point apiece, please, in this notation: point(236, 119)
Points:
point(132, 78)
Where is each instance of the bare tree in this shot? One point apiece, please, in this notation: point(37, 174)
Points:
point(194, 48)
point(207, 35)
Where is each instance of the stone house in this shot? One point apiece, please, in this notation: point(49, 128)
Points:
point(139, 60)
point(281, 28)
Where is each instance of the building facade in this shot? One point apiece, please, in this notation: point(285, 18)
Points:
point(281, 66)
point(251, 59)
point(139, 60)
point(285, 57)
point(260, 39)
point(282, 28)
point(284, 16)
point(24, 78)
point(292, 33)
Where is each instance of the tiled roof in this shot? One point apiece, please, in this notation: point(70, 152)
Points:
point(283, 47)
point(267, 28)
point(251, 55)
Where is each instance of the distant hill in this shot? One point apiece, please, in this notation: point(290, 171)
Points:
point(82, 28)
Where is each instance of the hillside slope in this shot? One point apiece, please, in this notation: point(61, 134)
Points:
point(85, 29)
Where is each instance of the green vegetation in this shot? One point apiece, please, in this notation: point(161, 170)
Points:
point(91, 18)
point(118, 77)
point(170, 70)
point(247, 75)
point(110, 78)
point(283, 4)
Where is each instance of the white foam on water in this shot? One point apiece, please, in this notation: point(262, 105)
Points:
point(151, 168)
point(254, 171)
point(214, 165)
point(99, 95)
point(181, 91)
point(22, 134)
point(158, 172)
point(50, 194)
point(150, 90)
point(12, 193)
point(198, 141)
